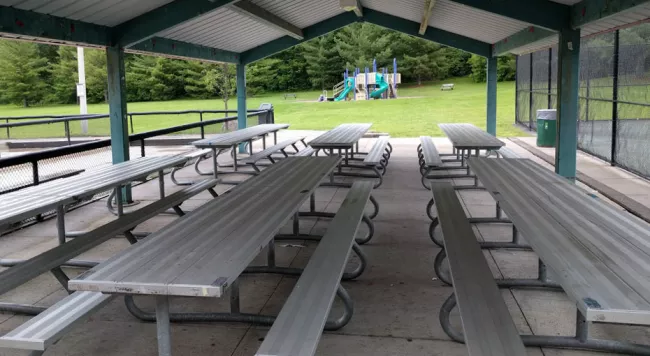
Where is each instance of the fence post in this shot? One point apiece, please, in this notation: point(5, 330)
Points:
point(131, 122)
point(530, 92)
point(67, 131)
point(142, 153)
point(517, 90)
point(550, 77)
point(615, 96)
point(8, 130)
point(36, 181)
point(202, 127)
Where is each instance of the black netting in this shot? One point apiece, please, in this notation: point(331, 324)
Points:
point(523, 89)
point(609, 95)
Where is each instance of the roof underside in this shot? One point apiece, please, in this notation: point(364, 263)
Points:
point(226, 29)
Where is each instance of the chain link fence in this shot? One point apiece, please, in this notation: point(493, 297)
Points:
point(614, 95)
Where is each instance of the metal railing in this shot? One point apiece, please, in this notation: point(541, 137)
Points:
point(32, 168)
point(24, 121)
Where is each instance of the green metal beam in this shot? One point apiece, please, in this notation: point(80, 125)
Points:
point(528, 35)
point(491, 73)
point(426, 15)
point(588, 11)
point(567, 103)
point(259, 14)
point(433, 34)
point(242, 114)
point(175, 13)
point(171, 48)
point(543, 13)
point(32, 24)
point(316, 30)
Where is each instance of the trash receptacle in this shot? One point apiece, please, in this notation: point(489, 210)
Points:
point(546, 127)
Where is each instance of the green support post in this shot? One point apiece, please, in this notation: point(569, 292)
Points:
point(567, 105)
point(491, 124)
point(241, 100)
point(117, 108)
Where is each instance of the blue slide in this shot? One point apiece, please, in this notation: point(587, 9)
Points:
point(349, 85)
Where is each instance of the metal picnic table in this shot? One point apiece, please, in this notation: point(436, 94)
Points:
point(467, 137)
point(221, 142)
point(203, 254)
point(343, 137)
point(29, 202)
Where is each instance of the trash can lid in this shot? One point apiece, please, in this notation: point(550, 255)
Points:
point(547, 114)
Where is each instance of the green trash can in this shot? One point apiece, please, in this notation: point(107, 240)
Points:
point(546, 127)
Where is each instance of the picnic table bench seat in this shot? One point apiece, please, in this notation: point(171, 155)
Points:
point(379, 154)
point(298, 327)
point(305, 152)
point(269, 151)
point(49, 326)
point(447, 87)
point(488, 328)
point(430, 159)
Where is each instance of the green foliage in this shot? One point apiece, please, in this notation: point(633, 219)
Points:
point(21, 67)
point(359, 43)
point(323, 64)
point(64, 76)
point(479, 68)
point(506, 68)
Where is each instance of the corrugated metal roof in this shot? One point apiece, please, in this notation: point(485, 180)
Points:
point(224, 29)
point(302, 13)
point(622, 19)
point(453, 17)
point(100, 12)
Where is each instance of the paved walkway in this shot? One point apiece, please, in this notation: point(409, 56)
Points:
point(396, 300)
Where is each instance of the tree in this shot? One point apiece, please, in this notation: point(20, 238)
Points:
point(64, 76)
point(21, 68)
point(96, 75)
point(506, 68)
point(324, 65)
point(139, 78)
point(423, 59)
point(479, 68)
point(358, 44)
point(194, 77)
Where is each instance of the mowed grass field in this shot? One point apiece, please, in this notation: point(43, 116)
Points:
point(417, 112)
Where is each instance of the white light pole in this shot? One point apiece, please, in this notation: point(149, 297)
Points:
point(81, 89)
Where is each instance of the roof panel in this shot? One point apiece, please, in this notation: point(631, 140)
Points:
point(302, 13)
point(453, 17)
point(224, 29)
point(100, 12)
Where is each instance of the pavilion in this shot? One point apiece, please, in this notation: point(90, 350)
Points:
point(244, 31)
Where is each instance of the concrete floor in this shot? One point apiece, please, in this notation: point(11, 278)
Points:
point(397, 299)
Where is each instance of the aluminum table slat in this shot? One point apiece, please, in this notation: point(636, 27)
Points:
point(203, 253)
point(229, 139)
point(343, 136)
point(600, 256)
point(468, 136)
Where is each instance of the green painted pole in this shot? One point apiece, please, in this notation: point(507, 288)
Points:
point(241, 100)
point(566, 147)
point(491, 124)
point(117, 108)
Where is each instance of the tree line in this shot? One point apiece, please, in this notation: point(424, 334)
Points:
point(32, 74)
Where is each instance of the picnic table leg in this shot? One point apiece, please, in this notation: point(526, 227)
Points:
point(118, 201)
point(263, 143)
point(275, 137)
point(161, 183)
point(270, 255)
point(312, 202)
point(296, 224)
point(214, 162)
point(346, 156)
point(163, 326)
point(234, 157)
point(60, 223)
point(340, 166)
point(357, 145)
point(234, 297)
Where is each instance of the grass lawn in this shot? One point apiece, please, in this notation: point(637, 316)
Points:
point(417, 112)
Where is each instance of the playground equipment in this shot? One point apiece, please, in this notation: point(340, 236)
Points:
point(369, 85)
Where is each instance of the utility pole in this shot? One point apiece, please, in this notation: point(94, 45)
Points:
point(81, 88)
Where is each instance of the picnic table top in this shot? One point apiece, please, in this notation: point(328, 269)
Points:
point(469, 136)
point(344, 135)
point(201, 254)
point(37, 199)
point(227, 140)
point(600, 255)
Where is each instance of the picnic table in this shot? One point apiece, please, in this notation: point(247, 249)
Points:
point(467, 137)
point(55, 195)
point(221, 142)
point(204, 253)
point(599, 253)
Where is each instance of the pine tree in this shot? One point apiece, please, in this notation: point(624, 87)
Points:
point(139, 79)
point(323, 64)
point(358, 44)
point(20, 73)
point(194, 77)
point(96, 75)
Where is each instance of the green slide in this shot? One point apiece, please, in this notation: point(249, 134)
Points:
point(349, 85)
point(382, 86)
